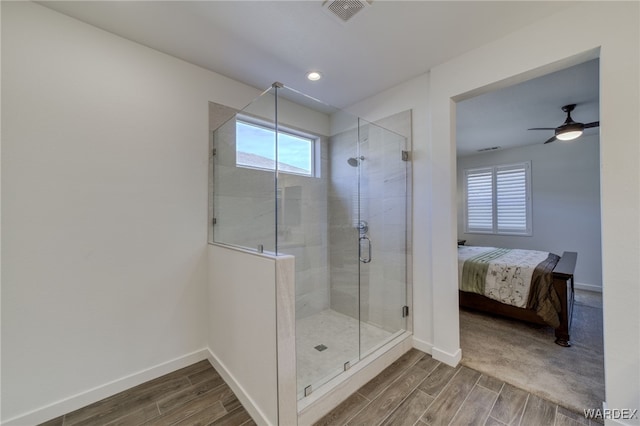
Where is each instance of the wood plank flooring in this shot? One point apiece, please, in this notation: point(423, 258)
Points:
point(415, 390)
point(194, 395)
point(418, 390)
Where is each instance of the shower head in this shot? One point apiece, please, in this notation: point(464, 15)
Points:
point(355, 162)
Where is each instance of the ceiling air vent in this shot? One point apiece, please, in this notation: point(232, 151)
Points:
point(493, 148)
point(344, 10)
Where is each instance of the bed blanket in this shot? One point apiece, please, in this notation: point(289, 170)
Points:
point(520, 278)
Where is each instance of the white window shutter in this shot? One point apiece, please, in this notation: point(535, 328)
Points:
point(512, 199)
point(479, 199)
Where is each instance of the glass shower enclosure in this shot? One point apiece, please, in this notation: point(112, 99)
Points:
point(292, 175)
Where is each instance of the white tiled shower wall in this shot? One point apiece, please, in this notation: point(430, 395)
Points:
point(302, 232)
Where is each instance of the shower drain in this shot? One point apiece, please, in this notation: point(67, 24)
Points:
point(320, 347)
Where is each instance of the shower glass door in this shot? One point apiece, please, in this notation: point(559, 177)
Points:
point(382, 195)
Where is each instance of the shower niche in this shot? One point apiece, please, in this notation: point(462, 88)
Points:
point(293, 178)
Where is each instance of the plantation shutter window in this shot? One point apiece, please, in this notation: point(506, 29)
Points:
point(498, 200)
point(479, 200)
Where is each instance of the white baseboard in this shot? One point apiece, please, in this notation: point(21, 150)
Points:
point(588, 287)
point(451, 359)
point(249, 404)
point(82, 399)
point(437, 354)
point(423, 346)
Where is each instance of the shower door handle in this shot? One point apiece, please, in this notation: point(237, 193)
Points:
point(362, 239)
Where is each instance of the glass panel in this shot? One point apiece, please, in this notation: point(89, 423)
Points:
point(244, 204)
point(316, 216)
point(382, 208)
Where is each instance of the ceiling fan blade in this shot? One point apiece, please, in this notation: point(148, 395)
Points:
point(594, 124)
point(551, 139)
point(542, 128)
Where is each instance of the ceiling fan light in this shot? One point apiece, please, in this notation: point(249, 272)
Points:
point(569, 135)
point(570, 130)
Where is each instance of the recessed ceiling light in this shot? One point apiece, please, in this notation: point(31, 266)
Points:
point(314, 76)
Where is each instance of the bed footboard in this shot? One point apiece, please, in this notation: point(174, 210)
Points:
point(563, 284)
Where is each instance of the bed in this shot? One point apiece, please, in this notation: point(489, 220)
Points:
point(527, 285)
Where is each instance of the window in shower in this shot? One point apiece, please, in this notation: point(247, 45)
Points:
point(255, 149)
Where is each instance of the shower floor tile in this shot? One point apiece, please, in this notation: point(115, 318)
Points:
point(339, 334)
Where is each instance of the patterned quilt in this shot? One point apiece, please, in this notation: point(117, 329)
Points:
point(520, 278)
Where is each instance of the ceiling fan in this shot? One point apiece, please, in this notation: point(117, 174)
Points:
point(570, 129)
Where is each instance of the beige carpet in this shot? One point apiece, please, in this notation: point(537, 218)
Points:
point(526, 356)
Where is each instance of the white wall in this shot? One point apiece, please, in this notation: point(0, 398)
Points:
point(613, 29)
point(104, 204)
point(242, 327)
point(565, 192)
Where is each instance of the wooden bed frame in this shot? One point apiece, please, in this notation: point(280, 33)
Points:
point(563, 284)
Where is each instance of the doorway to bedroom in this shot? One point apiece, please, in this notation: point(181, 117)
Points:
point(521, 189)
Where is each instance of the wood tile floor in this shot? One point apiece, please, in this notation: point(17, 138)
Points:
point(418, 390)
point(414, 390)
point(195, 395)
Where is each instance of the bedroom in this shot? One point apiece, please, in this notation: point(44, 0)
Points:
point(563, 215)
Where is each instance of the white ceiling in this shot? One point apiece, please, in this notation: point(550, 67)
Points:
point(389, 42)
point(260, 42)
point(501, 118)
